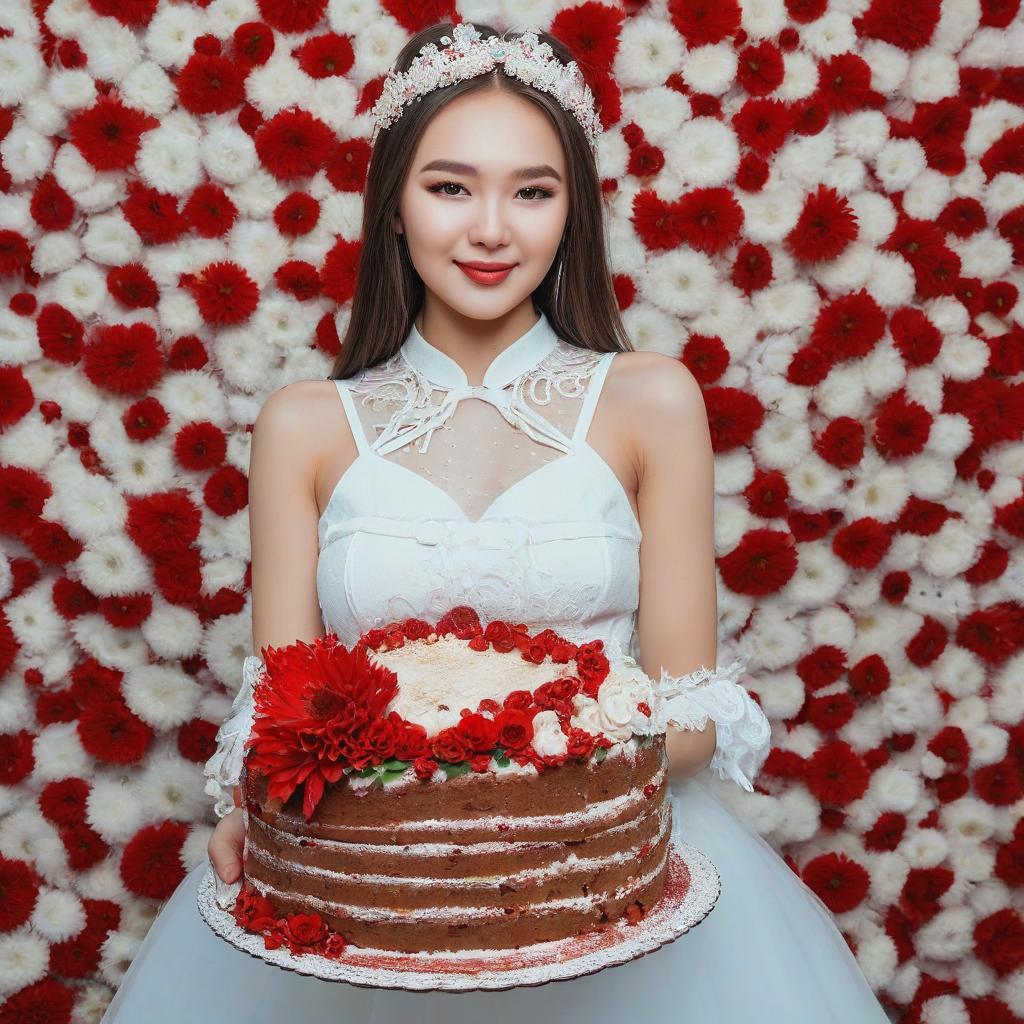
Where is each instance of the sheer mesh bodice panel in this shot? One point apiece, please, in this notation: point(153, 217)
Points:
point(474, 450)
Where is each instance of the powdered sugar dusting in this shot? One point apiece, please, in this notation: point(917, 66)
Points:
point(692, 887)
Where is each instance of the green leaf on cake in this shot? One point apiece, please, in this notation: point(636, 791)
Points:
point(393, 764)
point(503, 761)
point(600, 754)
point(386, 776)
point(455, 770)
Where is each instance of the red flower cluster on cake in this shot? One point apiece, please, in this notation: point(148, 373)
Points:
point(321, 710)
point(451, 786)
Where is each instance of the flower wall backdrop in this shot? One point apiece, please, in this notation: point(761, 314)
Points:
point(818, 205)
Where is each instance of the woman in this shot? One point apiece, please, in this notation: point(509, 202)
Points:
point(382, 493)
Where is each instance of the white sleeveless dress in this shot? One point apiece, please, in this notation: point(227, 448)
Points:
point(502, 504)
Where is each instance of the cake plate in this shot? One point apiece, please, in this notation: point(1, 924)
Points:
point(692, 888)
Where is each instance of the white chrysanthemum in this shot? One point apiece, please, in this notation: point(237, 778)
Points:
point(989, 123)
point(878, 959)
point(1010, 987)
point(228, 153)
point(34, 619)
point(898, 164)
point(829, 35)
point(245, 366)
point(862, 133)
point(706, 151)
point(782, 442)
point(726, 315)
point(651, 329)
point(24, 958)
point(814, 482)
point(112, 49)
point(660, 112)
point(948, 315)
point(799, 77)
point(894, 789)
point(148, 88)
point(195, 849)
point(923, 847)
point(846, 174)
point(989, 744)
point(224, 16)
point(333, 100)
point(968, 821)
point(957, 23)
point(889, 65)
point(799, 819)
point(866, 729)
point(770, 215)
point(945, 1009)
point(257, 196)
point(947, 936)
point(782, 694)
point(649, 51)
point(81, 289)
point(18, 339)
point(891, 280)
point(819, 577)
point(167, 263)
point(911, 708)
point(178, 312)
point(168, 160)
point(976, 980)
point(785, 307)
point(172, 631)
point(987, 48)
point(985, 254)
point(612, 156)
point(284, 321)
point(679, 281)
point(762, 19)
point(926, 196)
point(21, 71)
point(258, 247)
point(89, 505)
point(876, 216)
point(351, 16)
point(42, 115)
point(710, 69)
point(26, 154)
point(160, 695)
point(116, 954)
point(801, 161)
point(73, 172)
point(172, 33)
point(376, 46)
point(72, 89)
point(15, 215)
point(111, 240)
point(171, 787)
point(279, 83)
point(842, 392)
point(193, 395)
point(933, 76)
point(113, 566)
point(989, 896)
point(1005, 192)
point(114, 808)
point(17, 708)
point(950, 551)
point(962, 356)
point(58, 915)
point(59, 753)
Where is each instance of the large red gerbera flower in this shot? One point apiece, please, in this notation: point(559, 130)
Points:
point(591, 32)
point(225, 293)
point(826, 226)
point(347, 166)
point(294, 144)
point(312, 707)
point(108, 133)
point(709, 218)
point(124, 360)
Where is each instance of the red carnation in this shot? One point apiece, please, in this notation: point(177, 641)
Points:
point(762, 563)
point(915, 336)
point(999, 940)
point(705, 357)
point(848, 327)
point(209, 211)
point(124, 360)
point(836, 775)
point(112, 733)
point(132, 286)
point(804, 11)
point(297, 214)
point(299, 279)
point(15, 253)
point(153, 214)
point(1006, 154)
point(752, 268)
point(826, 226)
point(294, 144)
point(763, 124)
point(908, 24)
point(901, 427)
point(19, 885)
point(225, 293)
point(863, 543)
point(733, 415)
point(151, 863)
point(999, 784)
point(108, 133)
point(51, 207)
point(760, 69)
point(656, 222)
point(211, 84)
point(292, 15)
point(16, 757)
point(128, 12)
point(22, 495)
point(339, 270)
point(704, 21)
point(325, 56)
point(63, 801)
point(60, 334)
point(254, 43)
point(591, 32)
point(840, 881)
point(346, 169)
point(84, 846)
point(46, 1000)
point(844, 82)
point(709, 219)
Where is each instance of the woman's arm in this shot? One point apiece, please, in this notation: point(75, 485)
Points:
point(678, 611)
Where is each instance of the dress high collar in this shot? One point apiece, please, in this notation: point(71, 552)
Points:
point(440, 369)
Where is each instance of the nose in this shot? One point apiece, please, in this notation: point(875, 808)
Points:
point(490, 227)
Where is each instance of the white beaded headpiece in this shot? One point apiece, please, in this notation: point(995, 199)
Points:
point(469, 55)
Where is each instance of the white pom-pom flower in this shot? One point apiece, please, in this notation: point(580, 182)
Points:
point(58, 915)
point(710, 69)
point(169, 161)
point(23, 960)
point(706, 152)
point(21, 70)
point(679, 281)
point(649, 51)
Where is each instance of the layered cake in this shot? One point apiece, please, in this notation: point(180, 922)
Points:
point(465, 788)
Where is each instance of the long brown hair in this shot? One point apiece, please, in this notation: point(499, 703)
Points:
point(576, 294)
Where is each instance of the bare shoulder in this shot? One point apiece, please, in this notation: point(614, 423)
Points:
point(294, 420)
point(657, 395)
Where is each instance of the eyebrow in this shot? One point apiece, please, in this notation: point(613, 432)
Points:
point(523, 174)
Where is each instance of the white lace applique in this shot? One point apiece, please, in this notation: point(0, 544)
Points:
point(223, 770)
point(743, 732)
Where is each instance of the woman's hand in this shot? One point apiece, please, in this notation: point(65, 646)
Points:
point(689, 751)
point(225, 846)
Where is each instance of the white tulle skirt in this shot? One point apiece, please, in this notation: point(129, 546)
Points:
point(769, 953)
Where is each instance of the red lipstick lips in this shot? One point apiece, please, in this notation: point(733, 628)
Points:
point(485, 273)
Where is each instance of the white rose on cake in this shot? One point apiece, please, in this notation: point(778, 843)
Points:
point(548, 738)
point(618, 700)
point(588, 714)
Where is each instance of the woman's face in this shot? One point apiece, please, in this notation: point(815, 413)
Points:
point(487, 184)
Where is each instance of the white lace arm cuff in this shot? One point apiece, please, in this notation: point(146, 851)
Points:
point(744, 735)
point(224, 769)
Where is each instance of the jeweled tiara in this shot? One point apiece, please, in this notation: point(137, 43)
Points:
point(468, 55)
